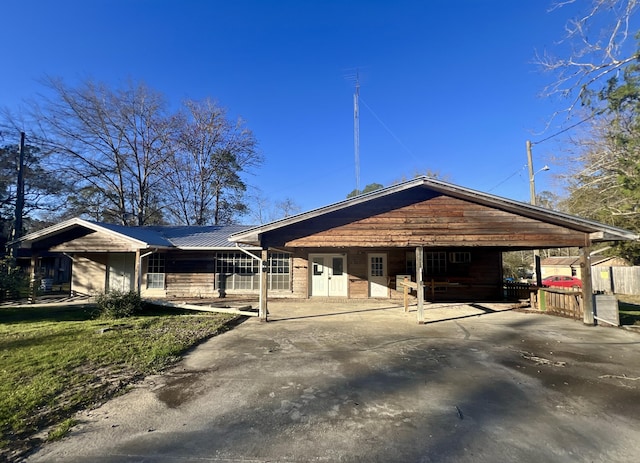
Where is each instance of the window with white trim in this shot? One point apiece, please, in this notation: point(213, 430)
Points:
point(239, 271)
point(236, 270)
point(155, 271)
point(279, 271)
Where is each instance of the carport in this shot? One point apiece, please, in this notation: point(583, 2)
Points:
point(447, 239)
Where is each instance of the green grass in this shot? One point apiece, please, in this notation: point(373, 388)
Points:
point(629, 308)
point(61, 429)
point(55, 361)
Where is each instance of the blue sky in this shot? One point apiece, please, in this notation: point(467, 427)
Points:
point(448, 86)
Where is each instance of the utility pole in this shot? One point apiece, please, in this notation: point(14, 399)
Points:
point(532, 199)
point(17, 224)
point(532, 185)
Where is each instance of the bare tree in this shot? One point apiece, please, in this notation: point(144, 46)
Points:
point(263, 210)
point(112, 142)
point(595, 49)
point(204, 174)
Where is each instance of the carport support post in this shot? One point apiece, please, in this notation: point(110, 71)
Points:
point(419, 282)
point(264, 268)
point(33, 276)
point(587, 286)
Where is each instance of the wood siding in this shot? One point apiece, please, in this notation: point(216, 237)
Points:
point(439, 221)
point(96, 242)
point(300, 273)
point(481, 279)
point(189, 274)
point(89, 274)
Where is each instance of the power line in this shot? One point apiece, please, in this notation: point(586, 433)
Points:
point(388, 129)
point(566, 129)
point(509, 177)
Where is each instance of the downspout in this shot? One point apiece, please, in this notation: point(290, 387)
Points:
point(259, 259)
point(593, 253)
point(142, 256)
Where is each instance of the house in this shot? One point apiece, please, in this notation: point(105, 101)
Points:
point(445, 238)
point(570, 265)
point(157, 261)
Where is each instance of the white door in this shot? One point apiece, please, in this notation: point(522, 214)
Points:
point(328, 275)
point(378, 281)
point(120, 272)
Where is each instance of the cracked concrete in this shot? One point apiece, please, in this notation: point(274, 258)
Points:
point(366, 383)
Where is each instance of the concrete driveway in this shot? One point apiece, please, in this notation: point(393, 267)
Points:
point(366, 383)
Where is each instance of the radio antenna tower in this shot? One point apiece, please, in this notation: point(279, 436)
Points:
point(356, 131)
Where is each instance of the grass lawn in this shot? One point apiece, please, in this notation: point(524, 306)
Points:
point(629, 308)
point(57, 360)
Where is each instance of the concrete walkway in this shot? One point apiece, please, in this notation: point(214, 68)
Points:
point(366, 383)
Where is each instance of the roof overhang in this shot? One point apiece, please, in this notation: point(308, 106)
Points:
point(27, 241)
point(597, 232)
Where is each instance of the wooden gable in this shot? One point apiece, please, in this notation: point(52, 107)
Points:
point(96, 241)
point(422, 217)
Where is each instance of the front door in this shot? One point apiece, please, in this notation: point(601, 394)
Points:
point(378, 281)
point(328, 275)
point(120, 272)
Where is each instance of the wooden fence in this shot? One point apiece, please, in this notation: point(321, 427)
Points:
point(557, 301)
point(616, 280)
point(516, 291)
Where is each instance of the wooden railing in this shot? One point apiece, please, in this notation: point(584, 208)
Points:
point(516, 291)
point(563, 302)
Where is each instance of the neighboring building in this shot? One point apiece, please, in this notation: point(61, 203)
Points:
point(570, 266)
point(449, 237)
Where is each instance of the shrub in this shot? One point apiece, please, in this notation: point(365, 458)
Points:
point(117, 304)
point(13, 282)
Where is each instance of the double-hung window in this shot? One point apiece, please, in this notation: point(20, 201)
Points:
point(155, 271)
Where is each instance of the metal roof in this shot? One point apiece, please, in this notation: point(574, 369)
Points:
point(179, 237)
point(572, 260)
point(598, 231)
point(199, 237)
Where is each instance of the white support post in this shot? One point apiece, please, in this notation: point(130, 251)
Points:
point(264, 285)
point(419, 281)
point(263, 263)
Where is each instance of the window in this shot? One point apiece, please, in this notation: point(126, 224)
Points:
point(337, 266)
point(377, 266)
point(279, 271)
point(459, 264)
point(155, 271)
point(460, 257)
point(318, 266)
point(239, 271)
point(410, 263)
point(435, 263)
point(236, 270)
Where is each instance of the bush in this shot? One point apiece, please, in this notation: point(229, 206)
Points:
point(116, 304)
point(13, 282)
